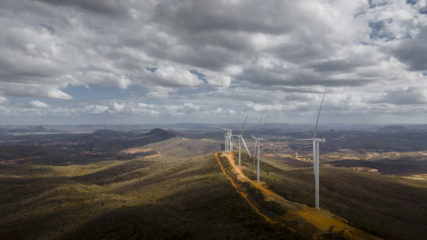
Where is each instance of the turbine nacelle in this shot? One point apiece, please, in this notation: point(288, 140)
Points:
point(313, 139)
point(319, 139)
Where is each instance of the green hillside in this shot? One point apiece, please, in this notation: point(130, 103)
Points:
point(384, 205)
point(160, 198)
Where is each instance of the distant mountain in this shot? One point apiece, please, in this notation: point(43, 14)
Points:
point(117, 140)
point(63, 149)
point(30, 129)
point(394, 128)
point(159, 132)
point(106, 133)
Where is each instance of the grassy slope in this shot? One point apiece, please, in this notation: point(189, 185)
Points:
point(164, 198)
point(185, 147)
point(380, 204)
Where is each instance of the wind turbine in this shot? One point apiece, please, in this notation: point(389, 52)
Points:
point(242, 140)
point(228, 143)
point(257, 148)
point(316, 142)
point(257, 153)
point(230, 140)
point(257, 133)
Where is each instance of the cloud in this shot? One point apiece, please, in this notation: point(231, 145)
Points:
point(105, 7)
point(262, 107)
point(173, 77)
point(409, 96)
point(3, 100)
point(217, 55)
point(413, 51)
point(185, 108)
point(96, 109)
point(114, 107)
point(118, 107)
point(233, 16)
point(223, 111)
point(38, 104)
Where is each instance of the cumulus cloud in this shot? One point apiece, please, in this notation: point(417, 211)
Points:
point(3, 100)
point(38, 104)
point(96, 109)
point(173, 77)
point(118, 107)
point(223, 57)
point(261, 107)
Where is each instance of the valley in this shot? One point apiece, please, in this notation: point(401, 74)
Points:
point(162, 184)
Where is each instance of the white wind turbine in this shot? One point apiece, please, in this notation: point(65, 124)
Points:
point(257, 133)
point(228, 143)
point(257, 153)
point(316, 142)
point(242, 140)
point(257, 148)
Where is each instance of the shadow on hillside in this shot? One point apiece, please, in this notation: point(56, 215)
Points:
point(195, 213)
point(117, 173)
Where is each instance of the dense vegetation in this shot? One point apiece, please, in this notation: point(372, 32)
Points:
point(157, 198)
point(402, 166)
point(82, 186)
point(65, 149)
point(383, 205)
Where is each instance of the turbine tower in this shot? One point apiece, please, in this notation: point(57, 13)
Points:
point(242, 140)
point(316, 142)
point(257, 133)
point(228, 142)
point(257, 153)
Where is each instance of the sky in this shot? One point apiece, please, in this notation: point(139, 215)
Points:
point(212, 61)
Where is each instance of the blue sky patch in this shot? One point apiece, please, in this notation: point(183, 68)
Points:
point(373, 4)
point(151, 69)
point(378, 30)
point(412, 2)
point(48, 27)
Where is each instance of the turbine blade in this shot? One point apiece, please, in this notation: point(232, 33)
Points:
point(259, 125)
point(232, 139)
point(246, 147)
point(318, 114)
point(243, 126)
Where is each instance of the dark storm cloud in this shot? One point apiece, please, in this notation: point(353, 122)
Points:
point(295, 77)
point(210, 57)
point(413, 51)
point(335, 65)
point(107, 7)
point(206, 15)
